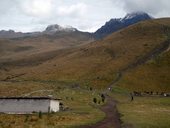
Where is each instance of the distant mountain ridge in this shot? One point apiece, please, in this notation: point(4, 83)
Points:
point(111, 26)
point(119, 23)
point(50, 30)
point(13, 34)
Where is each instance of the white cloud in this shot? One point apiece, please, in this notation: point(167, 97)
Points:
point(78, 9)
point(86, 15)
point(157, 8)
point(40, 8)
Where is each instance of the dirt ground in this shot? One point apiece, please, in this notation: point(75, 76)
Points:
point(111, 119)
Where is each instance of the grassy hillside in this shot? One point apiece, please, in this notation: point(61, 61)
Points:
point(28, 48)
point(57, 66)
point(97, 64)
point(152, 76)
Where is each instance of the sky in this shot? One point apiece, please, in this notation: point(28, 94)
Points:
point(85, 15)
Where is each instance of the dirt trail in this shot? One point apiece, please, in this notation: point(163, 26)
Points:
point(111, 119)
point(152, 54)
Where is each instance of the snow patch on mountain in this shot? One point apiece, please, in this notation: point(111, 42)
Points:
point(116, 24)
point(58, 28)
point(133, 15)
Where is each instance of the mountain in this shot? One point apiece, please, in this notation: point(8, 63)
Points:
point(51, 29)
point(13, 34)
point(111, 26)
point(46, 44)
point(10, 34)
point(141, 49)
point(116, 24)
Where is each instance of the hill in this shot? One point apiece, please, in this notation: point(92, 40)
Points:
point(98, 64)
point(45, 46)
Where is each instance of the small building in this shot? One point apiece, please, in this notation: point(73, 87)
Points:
point(28, 105)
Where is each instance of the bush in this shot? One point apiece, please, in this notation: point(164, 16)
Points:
point(95, 100)
point(26, 118)
point(99, 102)
point(91, 88)
point(103, 98)
point(40, 114)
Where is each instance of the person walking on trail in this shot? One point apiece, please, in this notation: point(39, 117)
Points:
point(131, 94)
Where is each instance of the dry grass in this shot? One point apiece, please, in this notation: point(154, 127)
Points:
point(152, 76)
point(92, 65)
point(78, 100)
point(97, 63)
point(143, 112)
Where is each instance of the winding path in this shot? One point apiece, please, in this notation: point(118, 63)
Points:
point(111, 119)
point(150, 55)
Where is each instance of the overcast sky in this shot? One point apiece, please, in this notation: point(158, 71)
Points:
point(86, 15)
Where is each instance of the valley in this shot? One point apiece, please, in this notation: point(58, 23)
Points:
point(79, 67)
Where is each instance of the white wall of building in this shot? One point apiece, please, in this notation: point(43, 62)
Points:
point(54, 106)
point(24, 105)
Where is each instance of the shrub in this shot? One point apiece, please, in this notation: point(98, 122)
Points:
point(26, 118)
point(40, 114)
point(99, 102)
point(103, 97)
point(91, 88)
point(95, 100)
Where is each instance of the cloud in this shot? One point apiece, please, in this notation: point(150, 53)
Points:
point(86, 15)
point(40, 8)
point(7, 6)
point(78, 9)
point(157, 8)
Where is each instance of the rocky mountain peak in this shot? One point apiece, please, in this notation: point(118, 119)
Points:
point(119, 23)
point(57, 28)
